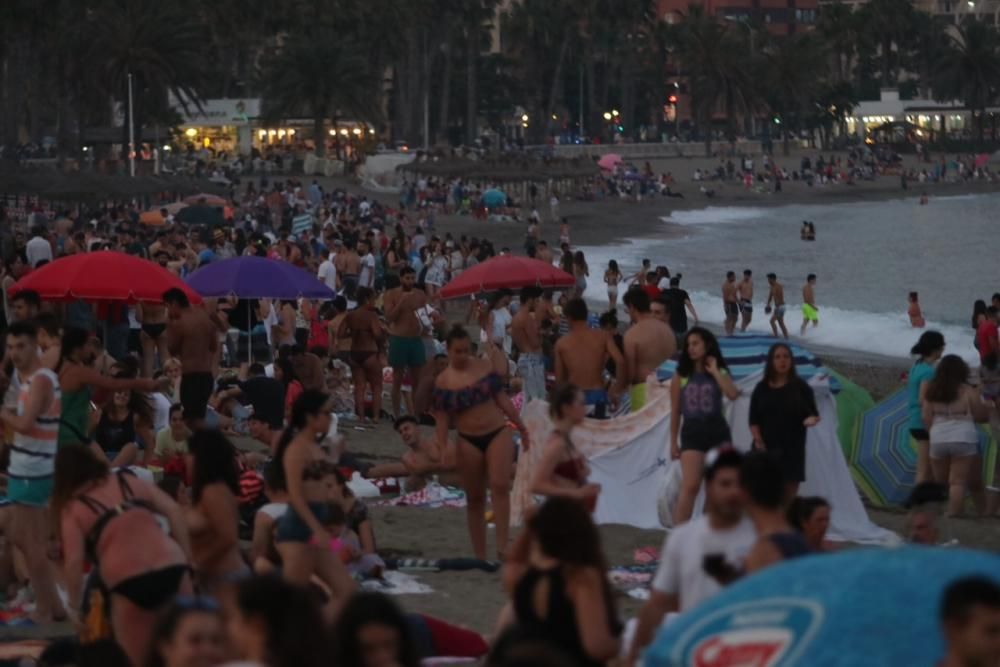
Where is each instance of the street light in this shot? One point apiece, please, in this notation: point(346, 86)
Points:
point(607, 115)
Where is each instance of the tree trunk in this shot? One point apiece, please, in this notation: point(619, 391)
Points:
point(444, 108)
point(594, 112)
point(785, 142)
point(319, 120)
point(471, 94)
point(550, 105)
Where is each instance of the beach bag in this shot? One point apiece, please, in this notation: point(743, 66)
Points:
point(668, 493)
point(96, 626)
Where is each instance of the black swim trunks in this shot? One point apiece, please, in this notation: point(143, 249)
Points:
point(732, 309)
point(196, 389)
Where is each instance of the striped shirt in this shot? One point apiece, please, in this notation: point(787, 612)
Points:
point(33, 453)
point(301, 224)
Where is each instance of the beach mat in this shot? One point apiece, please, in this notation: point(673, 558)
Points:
point(433, 495)
point(441, 564)
point(396, 583)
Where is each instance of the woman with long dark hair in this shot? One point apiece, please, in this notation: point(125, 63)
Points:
point(112, 522)
point(301, 539)
point(372, 631)
point(782, 407)
point(471, 395)
point(556, 577)
point(581, 272)
point(951, 409)
point(363, 326)
point(273, 623)
point(696, 392)
point(189, 633)
point(127, 419)
point(213, 518)
point(928, 350)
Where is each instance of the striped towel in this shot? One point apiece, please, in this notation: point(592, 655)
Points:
point(301, 224)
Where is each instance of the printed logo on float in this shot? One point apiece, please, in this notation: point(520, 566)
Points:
point(765, 633)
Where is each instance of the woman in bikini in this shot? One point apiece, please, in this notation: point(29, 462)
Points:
point(302, 541)
point(470, 395)
point(113, 521)
point(153, 319)
point(363, 327)
point(563, 470)
point(213, 517)
point(612, 277)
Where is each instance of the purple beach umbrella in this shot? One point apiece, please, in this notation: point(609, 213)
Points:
point(257, 278)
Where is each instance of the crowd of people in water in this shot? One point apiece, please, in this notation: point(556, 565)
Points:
point(196, 509)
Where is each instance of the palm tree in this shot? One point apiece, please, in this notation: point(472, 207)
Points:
point(838, 26)
point(319, 70)
point(796, 68)
point(718, 73)
point(969, 69)
point(888, 24)
point(159, 43)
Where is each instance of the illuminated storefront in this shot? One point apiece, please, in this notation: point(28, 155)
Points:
point(224, 125)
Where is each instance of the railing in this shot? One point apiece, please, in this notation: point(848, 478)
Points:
point(651, 150)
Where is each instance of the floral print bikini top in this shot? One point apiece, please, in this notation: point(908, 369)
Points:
point(452, 401)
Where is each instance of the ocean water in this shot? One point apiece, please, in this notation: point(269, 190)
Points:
point(867, 257)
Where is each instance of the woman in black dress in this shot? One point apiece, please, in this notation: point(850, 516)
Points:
point(782, 407)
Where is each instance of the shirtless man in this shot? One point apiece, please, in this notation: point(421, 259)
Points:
point(776, 296)
point(545, 309)
point(810, 313)
point(648, 343)
point(422, 459)
point(406, 347)
point(348, 265)
point(543, 252)
point(363, 327)
point(525, 330)
point(581, 356)
point(745, 291)
point(730, 302)
point(193, 338)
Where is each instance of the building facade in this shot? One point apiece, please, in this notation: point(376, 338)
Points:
point(952, 11)
point(782, 17)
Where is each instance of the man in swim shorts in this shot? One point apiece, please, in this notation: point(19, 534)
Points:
point(810, 313)
point(525, 330)
point(776, 296)
point(648, 343)
point(581, 356)
point(406, 346)
point(745, 291)
point(730, 302)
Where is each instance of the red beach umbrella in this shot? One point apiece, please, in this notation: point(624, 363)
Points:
point(100, 277)
point(507, 272)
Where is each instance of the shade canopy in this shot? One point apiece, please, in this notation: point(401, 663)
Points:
point(507, 272)
point(257, 278)
point(103, 275)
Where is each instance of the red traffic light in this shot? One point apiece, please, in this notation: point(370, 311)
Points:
point(672, 99)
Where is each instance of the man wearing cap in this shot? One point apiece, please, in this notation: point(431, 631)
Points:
point(702, 555)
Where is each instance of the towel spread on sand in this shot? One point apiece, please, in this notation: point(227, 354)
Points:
point(441, 564)
point(433, 495)
point(396, 583)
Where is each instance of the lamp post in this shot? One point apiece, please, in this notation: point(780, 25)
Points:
point(131, 130)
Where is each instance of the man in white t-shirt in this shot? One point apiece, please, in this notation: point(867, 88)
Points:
point(720, 539)
point(367, 276)
point(328, 273)
point(38, 248)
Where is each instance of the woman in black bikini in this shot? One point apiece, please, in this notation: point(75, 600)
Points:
point(112, 522)
point(563, 470)
point(470, 396)
point(365, 330)
point(153, 318)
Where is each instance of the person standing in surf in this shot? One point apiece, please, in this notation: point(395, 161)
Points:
point(810, 313)
point(730, 302)
point(745, 291)
point(776, 296)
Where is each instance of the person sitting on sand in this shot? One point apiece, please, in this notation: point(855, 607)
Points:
point(563, 470)
point(421, 460)
point(916, 317)
point(810, 516)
